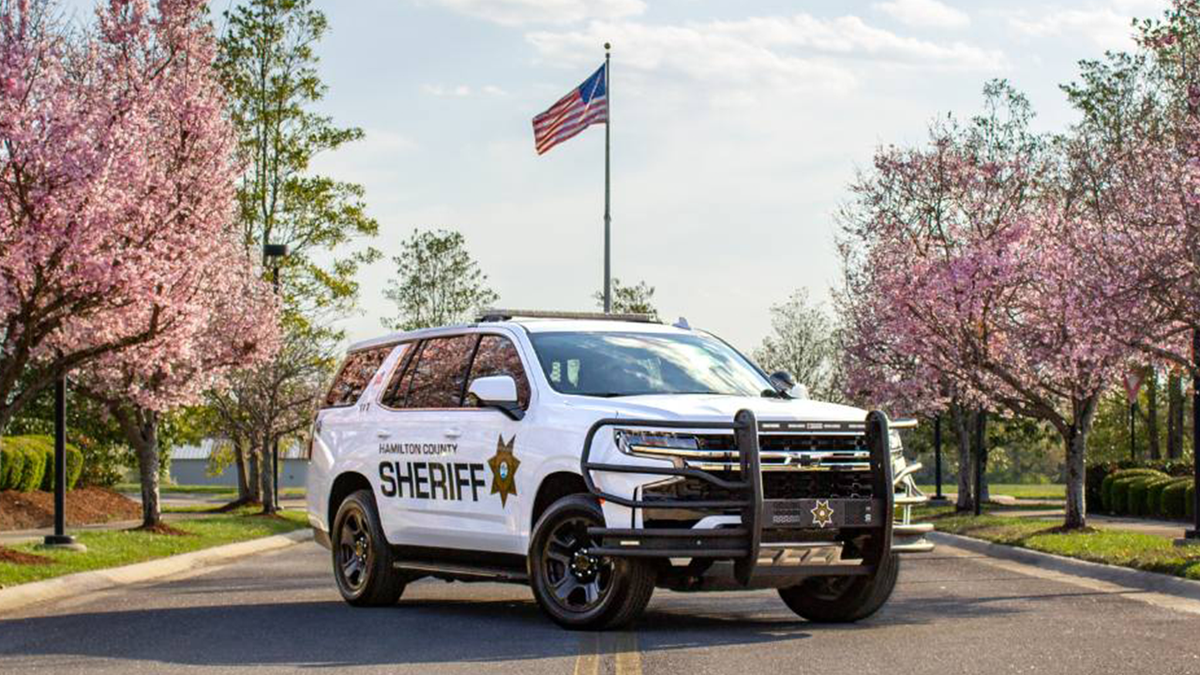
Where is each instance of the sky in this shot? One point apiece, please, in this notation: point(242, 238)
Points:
point(736, 128)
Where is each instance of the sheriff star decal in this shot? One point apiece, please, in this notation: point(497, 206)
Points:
point(822, 514)
point(504, 470)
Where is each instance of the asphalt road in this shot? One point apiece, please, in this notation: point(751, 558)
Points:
point(953, 612)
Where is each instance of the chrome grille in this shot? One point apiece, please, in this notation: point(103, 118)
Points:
point(820, 446)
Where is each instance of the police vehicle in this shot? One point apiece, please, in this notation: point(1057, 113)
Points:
point(595, 458)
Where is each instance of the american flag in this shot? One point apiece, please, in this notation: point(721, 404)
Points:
point(586, 105)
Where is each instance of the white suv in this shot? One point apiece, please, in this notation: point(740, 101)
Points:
point(595, 457)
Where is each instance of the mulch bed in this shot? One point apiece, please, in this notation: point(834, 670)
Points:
point(85, 506)
point(162, 528)
point(8, 555)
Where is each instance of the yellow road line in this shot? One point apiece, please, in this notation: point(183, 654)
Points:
point(588, 662)
point(629, 660)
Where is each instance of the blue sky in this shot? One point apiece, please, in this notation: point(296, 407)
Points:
point(736, 128)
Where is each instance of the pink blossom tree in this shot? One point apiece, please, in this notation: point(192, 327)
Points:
point(115, 180)
point(998, 299)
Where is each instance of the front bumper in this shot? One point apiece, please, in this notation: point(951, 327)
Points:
point(758, 535)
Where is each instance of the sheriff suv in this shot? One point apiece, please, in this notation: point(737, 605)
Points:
point(595, 458)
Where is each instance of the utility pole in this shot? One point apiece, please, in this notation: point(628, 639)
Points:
point(60, 538)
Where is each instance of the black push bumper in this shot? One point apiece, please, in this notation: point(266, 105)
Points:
point(742, 544)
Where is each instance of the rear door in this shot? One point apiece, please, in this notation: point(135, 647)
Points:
point(431, 483)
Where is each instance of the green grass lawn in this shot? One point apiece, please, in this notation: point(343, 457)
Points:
point(1110, 546)
point(1036, 491)
point(215, 490)
point(123, 547)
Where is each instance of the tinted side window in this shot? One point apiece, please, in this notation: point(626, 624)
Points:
point(397, 389)
point(440, 372)
point(498, 356)
point(355, 375)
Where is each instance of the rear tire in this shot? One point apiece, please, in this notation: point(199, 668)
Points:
point(363, 563)
point(843, 599)
point(577, 590)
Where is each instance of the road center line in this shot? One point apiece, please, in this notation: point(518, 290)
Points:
point(588, 661)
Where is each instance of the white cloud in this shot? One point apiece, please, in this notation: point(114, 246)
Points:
point(924, 13)
point(523, 12)
point(1108, 25)
point(459, 91)
point(797, 53)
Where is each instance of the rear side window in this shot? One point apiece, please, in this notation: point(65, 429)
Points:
point(440, 372)
point(498, 356)
point(355, 375)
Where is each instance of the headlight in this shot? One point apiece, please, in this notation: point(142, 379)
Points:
point(655, 443)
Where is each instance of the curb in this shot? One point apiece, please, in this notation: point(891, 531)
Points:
point(23, 595)
point(1153, 582)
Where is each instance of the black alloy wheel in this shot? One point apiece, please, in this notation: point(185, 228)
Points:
point(363, 563)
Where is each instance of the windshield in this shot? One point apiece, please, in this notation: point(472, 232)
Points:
point(629, 364)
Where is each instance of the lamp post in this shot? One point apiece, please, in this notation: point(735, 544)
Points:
point(937, 458)
point(60, 539)
point(274, 254)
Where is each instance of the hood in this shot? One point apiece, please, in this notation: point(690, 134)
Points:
point(719, 408)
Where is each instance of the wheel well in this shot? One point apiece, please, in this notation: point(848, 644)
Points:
point(345, 485)
point(553, 488)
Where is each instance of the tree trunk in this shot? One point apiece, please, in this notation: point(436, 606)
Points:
point(1152, 413)
point(239, 461)
point(962, 432)
point(255, 482)
point(1174, 416)
point(267, 472)
point(141, 431)
point(1075, 438)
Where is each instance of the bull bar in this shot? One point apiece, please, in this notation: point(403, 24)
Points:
point(742, 543)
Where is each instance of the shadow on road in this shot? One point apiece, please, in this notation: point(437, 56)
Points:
point(331, 634)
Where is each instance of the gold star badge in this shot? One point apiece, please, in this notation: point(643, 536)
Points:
point(504, 470)
point(822, 514)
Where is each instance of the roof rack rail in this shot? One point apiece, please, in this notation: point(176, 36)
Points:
point(508, 314)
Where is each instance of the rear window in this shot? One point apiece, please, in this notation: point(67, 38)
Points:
point(355, 375)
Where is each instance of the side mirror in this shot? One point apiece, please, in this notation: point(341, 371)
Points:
point(497, 391)
point(787, 385)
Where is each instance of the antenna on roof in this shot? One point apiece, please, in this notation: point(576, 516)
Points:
point(682, 323)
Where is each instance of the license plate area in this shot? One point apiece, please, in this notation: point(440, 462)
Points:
point(822, 513)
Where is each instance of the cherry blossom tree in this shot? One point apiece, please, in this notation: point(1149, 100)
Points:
point(115, 182)
point(997, 298)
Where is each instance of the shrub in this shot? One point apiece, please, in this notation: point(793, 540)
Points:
point(1114, 497)
point(28, 464)
point(1171, 504)
point(1148, 504)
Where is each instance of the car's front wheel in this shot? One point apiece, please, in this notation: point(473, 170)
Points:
point(575, 587)
point(843, 599)
point(363, 563)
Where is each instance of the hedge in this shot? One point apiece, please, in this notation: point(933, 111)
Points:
point(1127, 489)
point(1108, 498)
point(1172, 503)
point(1152, 504)
point(27, 463)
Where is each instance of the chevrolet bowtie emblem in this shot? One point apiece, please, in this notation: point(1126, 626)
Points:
point(822, 514)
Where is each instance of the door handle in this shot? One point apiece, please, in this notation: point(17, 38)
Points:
point(382, 434)
point(453, 432)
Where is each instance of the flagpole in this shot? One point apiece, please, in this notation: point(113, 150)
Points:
point(607, 184)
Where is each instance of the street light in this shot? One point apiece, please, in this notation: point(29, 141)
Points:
point(60, 539)
point(274, 255)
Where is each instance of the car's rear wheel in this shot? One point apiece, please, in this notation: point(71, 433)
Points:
point(843, 599)
point(363, 563)
point(575, 587)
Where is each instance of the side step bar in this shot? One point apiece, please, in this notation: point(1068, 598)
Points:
point(452, 572)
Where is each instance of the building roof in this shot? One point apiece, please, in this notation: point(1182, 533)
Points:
point(209, 445)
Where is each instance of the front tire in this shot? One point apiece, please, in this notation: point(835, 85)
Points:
point(363, 564)
point(843, 599)
point(580, 591)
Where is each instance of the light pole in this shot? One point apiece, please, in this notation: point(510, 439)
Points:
point(274, 254)
point(60, 539)
point(937, 457)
